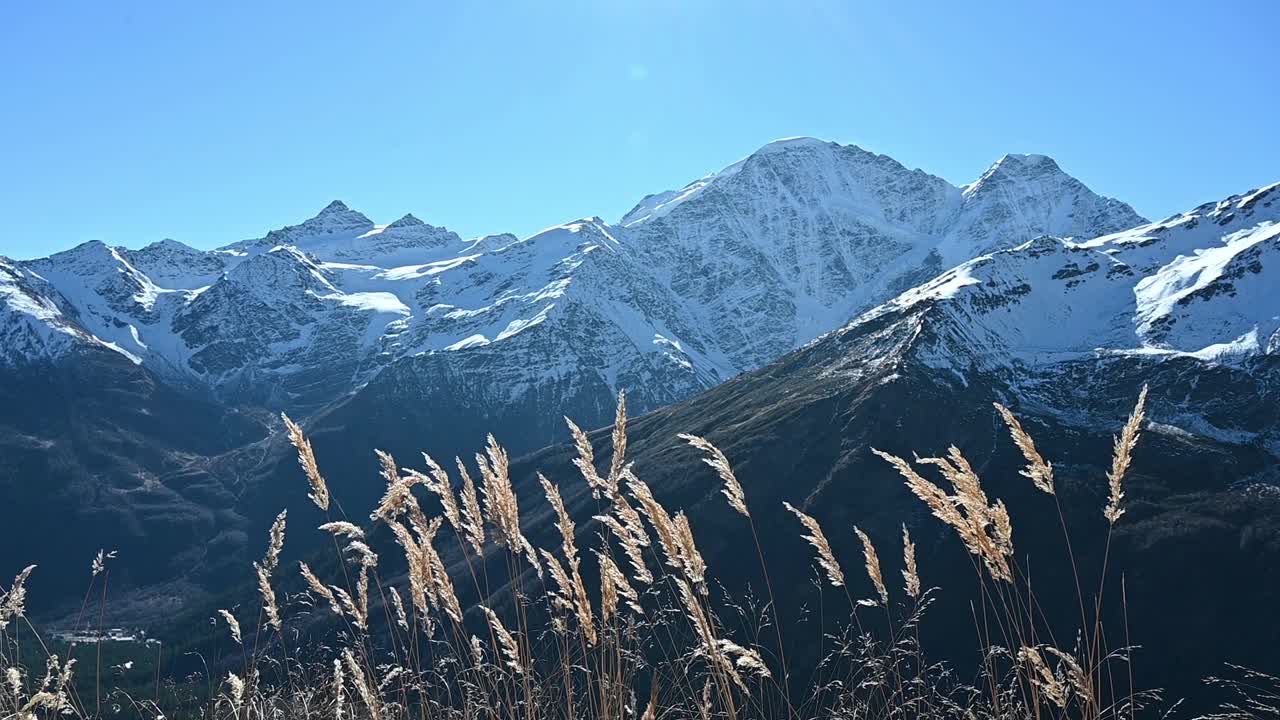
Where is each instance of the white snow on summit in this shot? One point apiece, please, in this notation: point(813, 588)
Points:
point(692, 287)
point(1203, 284)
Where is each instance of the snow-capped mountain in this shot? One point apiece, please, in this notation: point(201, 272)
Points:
point(32, 326)
point(823, 291)
point(1066, 333)
point(1201, 284)
point(792, 241)
point(688, 289)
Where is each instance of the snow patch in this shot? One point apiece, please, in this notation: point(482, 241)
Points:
point(469, 342)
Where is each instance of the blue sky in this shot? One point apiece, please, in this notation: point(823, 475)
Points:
point(131, 121)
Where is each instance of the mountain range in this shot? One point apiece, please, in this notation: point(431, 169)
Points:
point(689, 289)
point(1066, 333)
point(798, 307)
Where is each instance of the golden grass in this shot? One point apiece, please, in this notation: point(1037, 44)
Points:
point(1038, 469)
point(872, 563)
point(1122, 457)
point(910, 575)
point(662, 644)
point(307, 459)
point(985, 529)
point(816, 538)
point(732, 489)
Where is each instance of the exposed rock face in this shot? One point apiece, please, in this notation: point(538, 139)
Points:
point(690, 288)
point(97, 452)
point(1065, 333)
point(407, 338)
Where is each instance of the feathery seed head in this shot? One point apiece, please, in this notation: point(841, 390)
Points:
point(268, 565)
point(826, 558)
point(585, 462)
point(233, 625)
point(563, 522)
point(500, 504)
point(909, 573)
point(100, 562)
point(632, 545)
point(365, 554)
point(562, 594)
point(507, 645)
point(694, 566)
point(402, 618)
point(473, 525)
point(342, 528)
point(361, 683)
point(236, 688)
point(984, 529)
point(1122, 457)
point(661, 521)
point(1042, 677)
point(1038, 469)
point(575, 590)
point(619, 441)
point(276, 543)
point(319, 588)
point(398, 498)
point(873, 565)
point(307, 459)
point(269, 605)
point(438, 483)
point(442, 584)
point(619, 583)
point(339, 690)
point(732, 488)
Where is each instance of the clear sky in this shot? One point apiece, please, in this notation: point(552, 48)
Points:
point(130, 121)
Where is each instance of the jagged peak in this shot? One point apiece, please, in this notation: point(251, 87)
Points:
point(1015, 165)
point(407, 232)
point(792, 143)
point(337, 216)
point(1018, 167)
point(804, 146)
point(409, 220)
point(90, 250)
point(490, 243)
point(337, 206)
point(568, 235)
point(1240, 210)
point(282, 268)
point(1041, 245)
point(593, 224)
point(1037, 183)
point(1017, 161)
point(88, 246)
point(168, 244)
point(286, 253)
point(656, 205)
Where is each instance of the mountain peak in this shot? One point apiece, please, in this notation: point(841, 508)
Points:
point(337, 206)
point(1020, 168)
point(792, 143)
point(657, 205)
point(168, 244)
point(337, 216)
point(1026, 160)
point(1021, 196)
point(281, 271)
point(409, 220)
point(92, 250)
